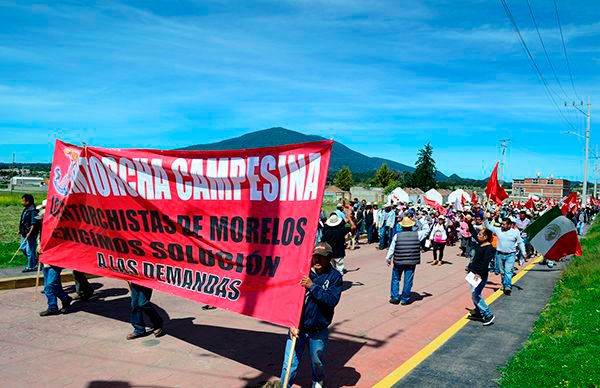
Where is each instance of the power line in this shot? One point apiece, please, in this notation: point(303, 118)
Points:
point(532, 60)
point(545, 51)
point(562, 38)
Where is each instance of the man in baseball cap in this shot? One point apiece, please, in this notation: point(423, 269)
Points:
point(323, 291)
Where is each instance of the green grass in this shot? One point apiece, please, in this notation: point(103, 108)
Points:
point(9, 241)
point(8, 198)
point(564, 347)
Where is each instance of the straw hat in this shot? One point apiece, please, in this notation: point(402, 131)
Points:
point(407, 223)
point(334, 220)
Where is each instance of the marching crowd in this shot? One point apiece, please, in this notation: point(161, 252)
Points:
point(490, 237)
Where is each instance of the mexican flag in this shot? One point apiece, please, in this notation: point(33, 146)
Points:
point(554, 235)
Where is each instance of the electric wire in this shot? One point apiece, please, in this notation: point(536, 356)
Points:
point(534, 64)
point(562, 38)
point(545, 51)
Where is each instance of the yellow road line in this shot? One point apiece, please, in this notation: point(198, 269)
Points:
point(431, 347)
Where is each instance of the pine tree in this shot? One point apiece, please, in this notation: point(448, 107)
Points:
point(343, 179)
point(424, 175)
point(383, 176)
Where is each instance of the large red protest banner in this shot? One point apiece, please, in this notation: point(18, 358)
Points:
point(233, 229)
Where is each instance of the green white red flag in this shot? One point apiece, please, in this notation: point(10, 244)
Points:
point(554, 235)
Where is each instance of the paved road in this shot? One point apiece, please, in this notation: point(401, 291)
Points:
point(369, 338)
point(472, 356)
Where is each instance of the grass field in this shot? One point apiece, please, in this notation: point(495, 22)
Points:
point(9, 241)
point(564, 347)
point(10, 211)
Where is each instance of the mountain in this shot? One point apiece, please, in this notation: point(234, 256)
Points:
point(340, 154)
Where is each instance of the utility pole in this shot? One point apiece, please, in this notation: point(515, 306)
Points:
point(587, 154)
point(596, 157)
point(503, 146)
point(588, 114)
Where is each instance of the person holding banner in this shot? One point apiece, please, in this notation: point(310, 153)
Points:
point(52, 282)
point(323, 292)
point(140, 304)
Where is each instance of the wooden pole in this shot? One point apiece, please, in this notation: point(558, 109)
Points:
point(289, 362)
point(14, 254)
point(37, 282)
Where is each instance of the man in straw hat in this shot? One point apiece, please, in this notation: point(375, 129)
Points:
point(334, 234)
point(405, 253)
point(323, 292)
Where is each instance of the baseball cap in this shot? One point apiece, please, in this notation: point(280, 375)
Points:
point(322, 249)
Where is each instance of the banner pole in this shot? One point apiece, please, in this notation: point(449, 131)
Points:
point(37, 283)
point(289, 362)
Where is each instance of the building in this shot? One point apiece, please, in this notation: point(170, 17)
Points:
point(26, 184)
point(371, 194)
point(335, 194)
point(415, 195)
point(542, 187)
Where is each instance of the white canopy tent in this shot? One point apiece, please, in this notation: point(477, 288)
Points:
point(398, 195)
point(434, 195)
point(457, 194)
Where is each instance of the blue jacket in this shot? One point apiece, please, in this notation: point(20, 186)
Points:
point(320, 300)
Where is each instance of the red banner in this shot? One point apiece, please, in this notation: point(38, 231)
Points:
point(233, 229)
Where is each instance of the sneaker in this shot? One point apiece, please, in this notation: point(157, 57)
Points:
point(488, 320)
point(47, 313)
point(395, 301)
point(550, 264)
point(159, 332)
point(28, 270)
point(208, 307)
point(317, 384)
point(507, 291)
point(435, 262)
point(475, 314)
point(135, 335)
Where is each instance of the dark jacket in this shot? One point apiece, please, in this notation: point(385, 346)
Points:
point(320, 300)
point(28, 219)
point(369, 217)
point(407, 250)
point(481, 261)
point(336, 237)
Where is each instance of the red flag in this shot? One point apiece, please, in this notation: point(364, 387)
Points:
point(570, 201)
point(474, 198)
point(514, 204)
point(519, 204)
point(433, 204)
point(529, 205)
point(494, 191)
point(463, 200)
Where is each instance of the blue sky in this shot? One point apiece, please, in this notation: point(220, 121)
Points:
point(382, 77)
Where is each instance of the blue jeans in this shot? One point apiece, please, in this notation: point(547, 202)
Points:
point(140, 304)
point(383, 237)
point(370, 233)
point(580, 226)
point(478, 300)
point(28, 248)
point(507, 264)
point(317, 342)
point(53, 287)
point(409, 274)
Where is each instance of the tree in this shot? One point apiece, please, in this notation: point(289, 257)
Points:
point(424, 175)
point(343, 179)
point(383, 176)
